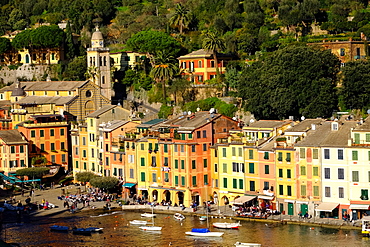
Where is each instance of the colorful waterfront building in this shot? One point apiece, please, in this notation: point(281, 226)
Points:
point(228, 166)
point(305, 136)
point(88, 144)
point(13, 151)
point(186, 143)
point(359, 171)
point(336, 159)
point(48, 139)
point(111, 134)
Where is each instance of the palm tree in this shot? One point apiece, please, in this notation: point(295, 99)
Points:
point(92, 72)
point(212, 42)
point(181, 17)
point(165, 69)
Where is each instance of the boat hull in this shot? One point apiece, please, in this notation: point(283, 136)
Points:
point(151, 228)
point(148, 215)
point(247, 244)
point(59, 228)
point(138, 222)
point(205, 234)
point(227, 225)
point(178, 216)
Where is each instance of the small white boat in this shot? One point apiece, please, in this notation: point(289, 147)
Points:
point(148, 215)
point(179, 216)
point(138, 222)
point(203, 218)
point(247, 244)
point(226, 225)
point(94, 229)
point(204, 232)
point(151, 228)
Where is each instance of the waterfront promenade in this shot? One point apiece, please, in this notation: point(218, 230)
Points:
point(223, 212)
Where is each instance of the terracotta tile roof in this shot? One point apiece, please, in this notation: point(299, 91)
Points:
point(47, 86)
point(40, 100)
point(12, 137)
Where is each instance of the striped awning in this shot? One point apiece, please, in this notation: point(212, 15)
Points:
point(327, 206)
point(243, 199)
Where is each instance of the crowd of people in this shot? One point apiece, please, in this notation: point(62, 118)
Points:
point(72, 201)
point(256, 211)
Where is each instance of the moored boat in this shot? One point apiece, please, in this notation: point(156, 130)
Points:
point(203, 218)
point(151, 228)
point(94, 229)
point(148, 215)
point(203, 232)
point(59, 228)
point(179, 216)
point(226, 225)
point(138, 222)
point(81, 231)
point(247, 244)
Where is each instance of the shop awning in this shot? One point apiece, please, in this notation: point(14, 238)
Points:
point(128, 185)
point(266, 197)
point(243, 199)
point(327, 206)
point(359, 206)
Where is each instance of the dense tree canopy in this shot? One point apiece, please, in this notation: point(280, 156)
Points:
point(47, 36)
point(294, 81)
point(4, 45)
point(84, 176)
point(152, 42)
point(104, 182)
point(33, 172)
point(355, 90)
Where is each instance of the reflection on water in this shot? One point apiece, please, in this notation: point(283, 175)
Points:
point(118, 232)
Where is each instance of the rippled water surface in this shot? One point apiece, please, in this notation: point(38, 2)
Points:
point(118, 232)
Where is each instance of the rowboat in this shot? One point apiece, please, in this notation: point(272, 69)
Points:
point(138, 222)
point(203, 232)
point(226, 225)
point(203, 218)
point(59, 228)
point(179, 216)
point(148, 215)
point(247, 244)
point(81, 231)
point(151, 228)
point(94, 229)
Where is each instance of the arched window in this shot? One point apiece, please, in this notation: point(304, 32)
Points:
point(27, 58)
point(105, 61)
point(103, 79)
point(19, 57)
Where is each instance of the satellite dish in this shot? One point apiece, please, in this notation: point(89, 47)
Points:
point(303, 118)
point(189, 112)
point(368, 111)
point(198, 109)
point(234, 118)
point(251, 121)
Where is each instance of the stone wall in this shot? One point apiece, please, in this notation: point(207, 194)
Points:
point(25, 72)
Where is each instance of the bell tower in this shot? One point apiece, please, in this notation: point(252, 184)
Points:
point(98, 64)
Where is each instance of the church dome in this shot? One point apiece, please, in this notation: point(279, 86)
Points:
point(18, 90)
point(97, 35)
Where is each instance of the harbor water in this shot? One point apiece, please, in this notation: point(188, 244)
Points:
point(118, 232)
